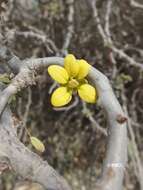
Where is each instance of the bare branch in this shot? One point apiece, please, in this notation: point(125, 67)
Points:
point(24, 117)
point(67, 108)
point(115, 161)
point(23, 161)
point(136, 4)
point(34, 35)
point(107, 18)
point(26, 77)
point(11, 60)
point(96, 126)
point(107, 37)
point(70, 28)
point(133, 141)
point(98, 21)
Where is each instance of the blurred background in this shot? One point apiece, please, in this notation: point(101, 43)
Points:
point(75, 136)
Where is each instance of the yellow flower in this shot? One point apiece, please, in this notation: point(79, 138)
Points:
point(72, 77)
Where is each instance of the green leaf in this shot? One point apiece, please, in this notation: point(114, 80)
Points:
point(4, 78)
point(12, 99)
point(126, 78)
point(38, 145)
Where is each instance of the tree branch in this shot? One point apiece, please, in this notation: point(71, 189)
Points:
point(116, 156)
point(114, 166)
point(106, 36)
point(136, 4)
point(26, 77)
point(23, 161)
point(11, 60)
point(70, 28)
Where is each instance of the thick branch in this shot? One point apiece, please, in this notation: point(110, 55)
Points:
point(26, 77)
point(116, 157)
point(23, 161)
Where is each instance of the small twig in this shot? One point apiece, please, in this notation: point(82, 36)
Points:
point(42, 37)
point(136, 4)
point(134, 145)
point(107, 38)
point(70, 27)
point(11, 60)
point(52, 87)
point(25, 116)
point(73, 105)
point(107, 18)
point(98, 21)
point(94, 123)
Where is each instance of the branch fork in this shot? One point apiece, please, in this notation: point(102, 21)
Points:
point(28, 164)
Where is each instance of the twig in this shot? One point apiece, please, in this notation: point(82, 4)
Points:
point(70, 28)
point(88, 114)
point(136, 4)
point(107, 38)
point(134, 145)
point(41, 37)
point(107, 18)
point(67, 108)
point(52, 87)
point(11, 60)
point(26, 112)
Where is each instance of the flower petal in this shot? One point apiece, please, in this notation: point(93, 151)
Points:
point(71, 65)
point(83, 68)
point(58, 73)
point(61, 96)
point(87, 93)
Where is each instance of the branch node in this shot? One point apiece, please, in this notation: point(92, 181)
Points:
point(121, 119)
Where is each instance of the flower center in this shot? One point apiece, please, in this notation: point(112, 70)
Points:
point(73, 83)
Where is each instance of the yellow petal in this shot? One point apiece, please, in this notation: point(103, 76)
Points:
point(37, 144)
point(61, 96)
point(58, 73)
point(83, 68)
point(87, 93)
point(71, 65)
